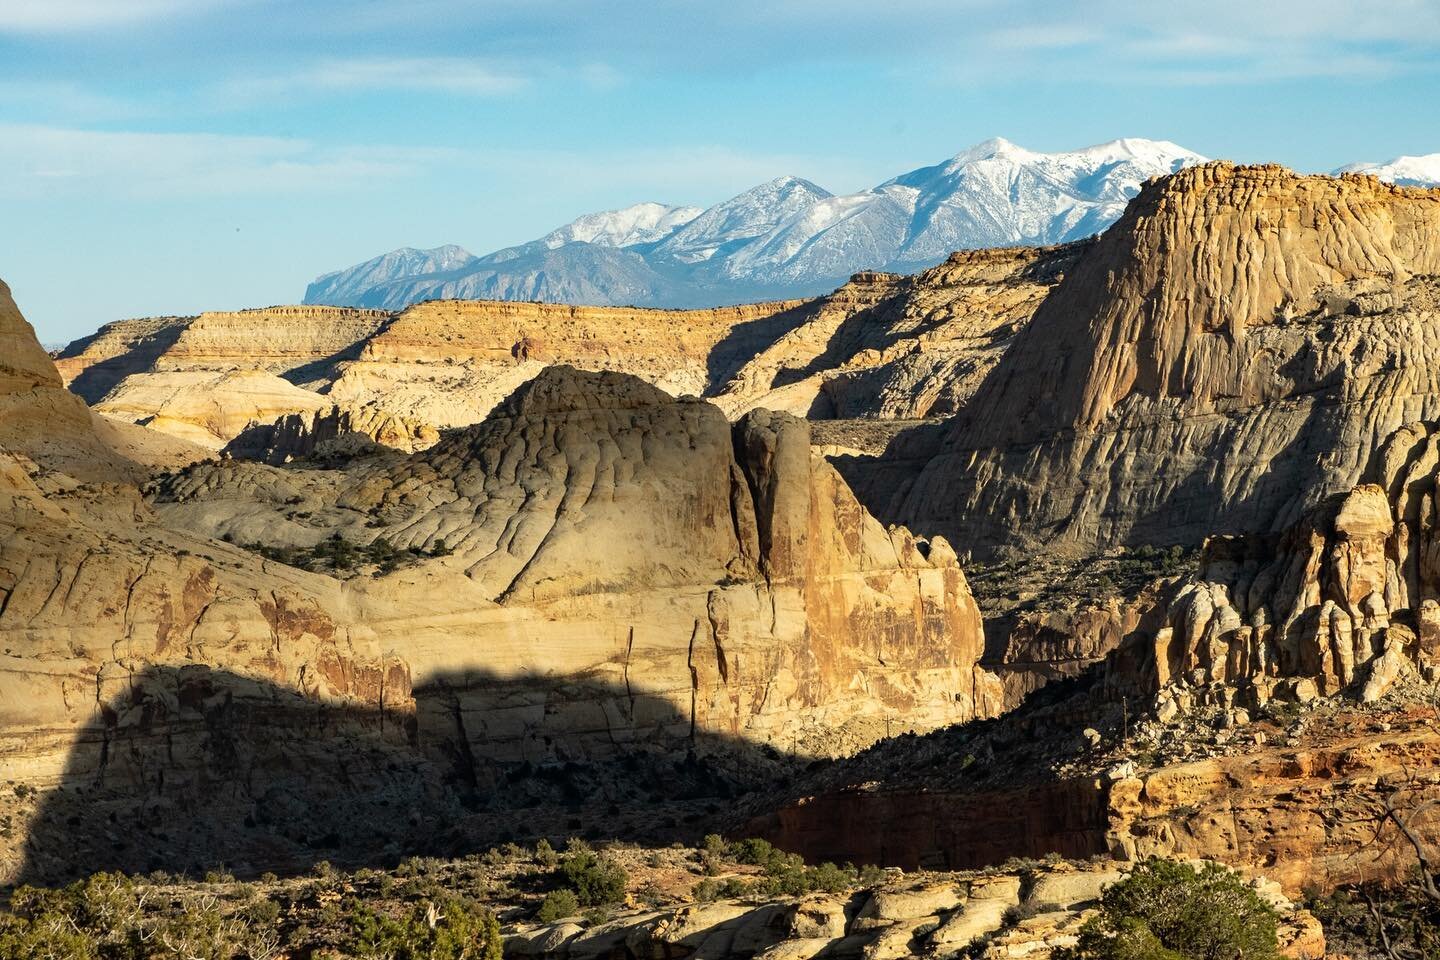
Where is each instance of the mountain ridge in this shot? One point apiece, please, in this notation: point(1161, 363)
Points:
point(787, 237)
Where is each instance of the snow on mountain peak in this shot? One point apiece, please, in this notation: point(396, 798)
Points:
point(640, 223)
point(788, 236)
point(741, 218)
point(1419, 171)
point(988, 149)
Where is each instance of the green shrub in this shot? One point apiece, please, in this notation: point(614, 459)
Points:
point(454, 930)
point(557, 905)
point(594, 879)
point(546, 856)
point(49, 937)
point(828, 878)
point(753, 850)
point(1172, 911)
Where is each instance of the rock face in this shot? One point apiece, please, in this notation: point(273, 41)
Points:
point(205, 379)
point(882, 346)
point(449, 362)
point(276, 340)
point(770, 593)
point(989, 916)
point(894, 347)
point(1340, 608)
point(204, 408)
point(628, 583)
point(1231, 352)
point(41, 421)
point(1346, 600)
point(297, 436)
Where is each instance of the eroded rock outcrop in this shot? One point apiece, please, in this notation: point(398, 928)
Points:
point(650, 603)
point(1229, 354)
point(882, 346)
point(782, 607)
point(986, 915)
point(1344, 601)
point(330, 430)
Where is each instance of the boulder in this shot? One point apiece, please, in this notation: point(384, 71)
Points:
point(1071, 889)
point(892, 904)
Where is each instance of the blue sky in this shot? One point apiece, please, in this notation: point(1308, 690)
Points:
point(168, 156)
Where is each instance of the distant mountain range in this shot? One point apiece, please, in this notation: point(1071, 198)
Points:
point(1404, 171)
point(792, 238)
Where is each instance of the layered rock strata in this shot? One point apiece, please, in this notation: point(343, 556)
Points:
point(605, 583)
point(892, 347)
point(1229, 354)
point(882, 346)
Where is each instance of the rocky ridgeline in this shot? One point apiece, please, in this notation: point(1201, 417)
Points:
point(993, 915)
point(891, 347)
point(1232, 352)
point(881, 346)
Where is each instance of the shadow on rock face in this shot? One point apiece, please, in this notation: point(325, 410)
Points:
point(193, 768)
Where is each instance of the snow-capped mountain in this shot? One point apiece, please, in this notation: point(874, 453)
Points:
point(733, 224)
point(641, 223)
point(788, 237)
point(349, 286)
point(1422, 171)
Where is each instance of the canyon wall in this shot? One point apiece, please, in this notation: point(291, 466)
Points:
point(882, 346)
point(1227, 355)
point(604, 581)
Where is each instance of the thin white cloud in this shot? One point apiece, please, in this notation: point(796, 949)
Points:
point(67, 101)
point(1041, 37)
point(434, 75)
point(42, 159)
point(49, 16)
point(447, 74)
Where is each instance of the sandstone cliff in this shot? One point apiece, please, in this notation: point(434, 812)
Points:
point(1230, 353)
point(627, 583)
point(882, 346)
point(893, 347)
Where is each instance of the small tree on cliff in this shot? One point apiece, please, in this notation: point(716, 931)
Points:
point(1171, 911)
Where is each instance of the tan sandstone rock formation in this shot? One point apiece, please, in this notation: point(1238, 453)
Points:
point(295, 436)
point(881, 346)
point(989, 915)
point(894, 347)
point(625, 576)
point(1231, 352)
